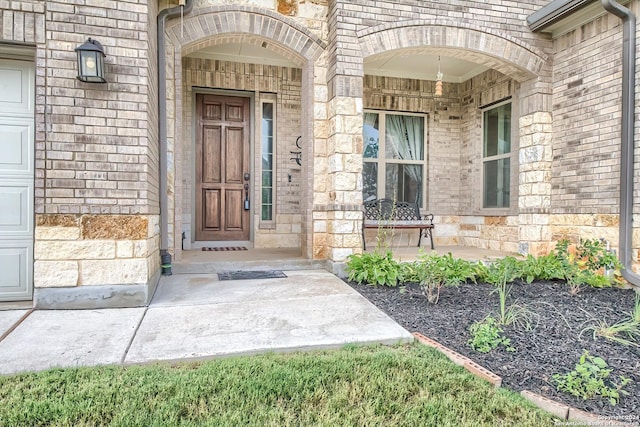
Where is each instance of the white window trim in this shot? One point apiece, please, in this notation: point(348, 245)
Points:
point(512, 155)
point(267, 98)
point(382, 159)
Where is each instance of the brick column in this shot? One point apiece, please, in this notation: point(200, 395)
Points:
point(535, 158)
point(338, 197)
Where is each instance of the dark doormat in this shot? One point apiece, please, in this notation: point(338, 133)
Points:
point(247, 275)
point(226, 248)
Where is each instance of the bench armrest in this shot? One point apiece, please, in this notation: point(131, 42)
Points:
point(428, 217)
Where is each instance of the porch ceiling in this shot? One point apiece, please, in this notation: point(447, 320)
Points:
point(421, 63)
point(403, 63)
point(251, 53)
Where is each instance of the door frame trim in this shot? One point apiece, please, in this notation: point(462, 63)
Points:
point(197, 90)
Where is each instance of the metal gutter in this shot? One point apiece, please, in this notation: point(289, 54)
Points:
point(163, 16)
point(554, 12)
point(627, 144)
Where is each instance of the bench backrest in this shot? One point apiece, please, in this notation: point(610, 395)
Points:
point(387, 209)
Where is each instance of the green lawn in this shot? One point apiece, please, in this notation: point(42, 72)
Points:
point(374, 386)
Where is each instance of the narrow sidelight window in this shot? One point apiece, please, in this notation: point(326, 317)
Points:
point(267, 143)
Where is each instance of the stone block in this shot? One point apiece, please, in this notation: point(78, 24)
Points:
point(57, 220)
point(340, 254)
point(117, 227)
point(55, 274)
point(141, 248)
point(114, 272)
point(495, 220)
point(74, 250)
point(57, 233)
point(124, 249)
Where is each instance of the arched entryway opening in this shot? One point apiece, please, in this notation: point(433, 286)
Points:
point(240, 125)
point(484, 141)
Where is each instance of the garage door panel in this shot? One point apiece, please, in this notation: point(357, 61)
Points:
point(15, 145)
point(16, 208)
point(16, 83)
point(16, 179)
point(15, 264)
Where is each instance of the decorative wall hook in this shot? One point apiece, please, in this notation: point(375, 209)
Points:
point(298, 154)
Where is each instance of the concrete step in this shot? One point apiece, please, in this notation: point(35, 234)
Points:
point(213, 267)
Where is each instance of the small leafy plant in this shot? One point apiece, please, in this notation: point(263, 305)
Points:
point(589, 264)
point(437, 271)
point(587, 380)
point(486, 335)
point(547, 267)
point(499, 274)
point(373, 268)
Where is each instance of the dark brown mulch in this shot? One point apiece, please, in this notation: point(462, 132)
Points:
point(554, 345)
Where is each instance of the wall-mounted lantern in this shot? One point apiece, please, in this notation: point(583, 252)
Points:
point(91, 62)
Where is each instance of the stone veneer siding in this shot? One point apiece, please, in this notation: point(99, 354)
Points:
point(87, 257)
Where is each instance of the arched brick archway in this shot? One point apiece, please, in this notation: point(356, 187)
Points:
point(215, 25)
point(219, 24)
point(501, 52)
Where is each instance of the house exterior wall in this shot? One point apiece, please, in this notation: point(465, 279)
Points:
point(96, 199)
point(587, 113)
point(97, 175)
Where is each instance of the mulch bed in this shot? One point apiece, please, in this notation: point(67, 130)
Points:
point(554, 345)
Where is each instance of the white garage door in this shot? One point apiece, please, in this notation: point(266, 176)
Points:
point(16, 179)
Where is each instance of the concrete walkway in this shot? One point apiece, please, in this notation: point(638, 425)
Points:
point(195, 316)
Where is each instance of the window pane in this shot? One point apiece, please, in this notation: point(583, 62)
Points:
point(404, 137)
point(497, 183)
point(266, 196)
point(266, 178)
point(404, 183)
point(369, 181)
point(497, 131)
point(371, 135)
point(267, 161)
point(266, 213)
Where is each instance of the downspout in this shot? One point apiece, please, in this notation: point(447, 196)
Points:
point(627, 139)
point(163, 16)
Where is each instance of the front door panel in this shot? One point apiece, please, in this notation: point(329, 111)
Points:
point(222, 159)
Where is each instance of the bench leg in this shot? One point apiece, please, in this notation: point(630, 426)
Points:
point(427, 233)
point(364, 243)
point(419, 237)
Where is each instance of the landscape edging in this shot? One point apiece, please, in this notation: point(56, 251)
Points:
point(556, 409)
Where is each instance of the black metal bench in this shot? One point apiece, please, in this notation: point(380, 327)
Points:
point(382, 213)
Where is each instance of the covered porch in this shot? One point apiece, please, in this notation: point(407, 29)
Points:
point(252, 259)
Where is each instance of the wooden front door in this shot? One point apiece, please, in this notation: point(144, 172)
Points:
point(222, 160)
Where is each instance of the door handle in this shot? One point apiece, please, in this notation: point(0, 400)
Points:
point(247, 204)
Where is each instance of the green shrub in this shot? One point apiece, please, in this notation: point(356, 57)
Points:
point(547, 267)
point(587, 380)
point(373, 268)
point(487, 335)
point(589, 264)
point(437, 271)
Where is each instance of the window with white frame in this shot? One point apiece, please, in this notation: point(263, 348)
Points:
point(267, 156)
point(394, 157)
point(496, 156)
